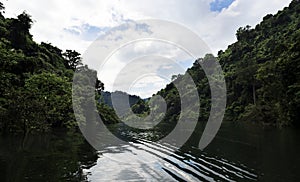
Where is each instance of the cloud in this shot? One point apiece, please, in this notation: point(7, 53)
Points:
point(86, 32)
point(146, 85)
point(216, 28)
point(148, 73)
point(75, 24)
point(145, 48)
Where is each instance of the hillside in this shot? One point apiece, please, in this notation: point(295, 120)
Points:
point(262, 72)
point(36, 80)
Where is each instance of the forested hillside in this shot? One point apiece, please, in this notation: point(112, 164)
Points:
point(36, 80)
point(262, 72)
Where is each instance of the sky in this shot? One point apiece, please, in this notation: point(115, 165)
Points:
point(78, 24)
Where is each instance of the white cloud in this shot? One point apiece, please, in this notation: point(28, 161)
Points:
point(56, 19)
point(130, 60)
point(217, 29)
point(146, 85)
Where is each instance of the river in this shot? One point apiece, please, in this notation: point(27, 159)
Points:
point(239, 152)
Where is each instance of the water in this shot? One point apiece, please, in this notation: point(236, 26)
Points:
point(240, 152)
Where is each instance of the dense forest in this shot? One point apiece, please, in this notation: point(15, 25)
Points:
point(36, 80)
point(262, 72)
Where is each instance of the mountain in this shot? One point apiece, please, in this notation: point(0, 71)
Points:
point(262, 72)
point(120, 100)
point(133, 99)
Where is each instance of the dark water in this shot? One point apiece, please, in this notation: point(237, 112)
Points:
point(238, 153)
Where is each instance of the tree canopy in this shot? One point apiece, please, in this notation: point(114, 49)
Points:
point(36, 80)
point(262, 73)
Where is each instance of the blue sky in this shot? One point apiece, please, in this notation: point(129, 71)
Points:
point(76, 24)
point(218, 5)
point(86, 32)
point(63, 19)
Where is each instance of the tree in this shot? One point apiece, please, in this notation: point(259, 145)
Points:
point(73, 59)
point(25, 22)
point(19, 31)
point(242, 32)
point(55, 93)
point(2, 8)
point(36, 80)
point(140, 107)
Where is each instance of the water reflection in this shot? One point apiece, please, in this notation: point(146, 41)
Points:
point(52, 157)
point(144, 160)
point(238, 153)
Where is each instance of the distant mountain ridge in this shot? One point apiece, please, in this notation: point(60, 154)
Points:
point(106, 97)
point(121, 99)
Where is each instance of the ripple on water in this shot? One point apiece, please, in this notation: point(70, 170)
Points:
point(144, 160)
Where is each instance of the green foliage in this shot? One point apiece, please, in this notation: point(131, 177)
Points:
point(36, 80)
point(107, 114)
point(141, 107)
point(55, 94)
point(173, 99)
point(262, 70)
point(73, 59)
point(262, 73)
